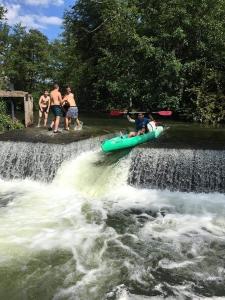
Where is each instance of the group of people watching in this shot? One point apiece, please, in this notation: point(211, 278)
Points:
point(61, 107)
point(66, 107)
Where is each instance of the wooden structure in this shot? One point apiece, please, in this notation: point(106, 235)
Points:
point(28, 104)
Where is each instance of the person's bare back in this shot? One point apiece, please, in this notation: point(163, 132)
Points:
point(55, 96)
point(72, 112)
point(56, 102)
point(70, 99)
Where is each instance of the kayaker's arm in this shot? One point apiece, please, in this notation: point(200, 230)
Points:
point(130, 119)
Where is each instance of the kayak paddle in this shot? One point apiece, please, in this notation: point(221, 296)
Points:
point(165, 113)
point(117, 113)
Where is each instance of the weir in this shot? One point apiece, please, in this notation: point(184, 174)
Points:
point(178, 170)
point(173, 169)
point(38, 161)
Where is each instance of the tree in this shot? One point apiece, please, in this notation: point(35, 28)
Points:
point(4, 37)
point(27, 59)
point(155, 54)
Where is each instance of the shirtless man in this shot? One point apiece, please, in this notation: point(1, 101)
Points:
point(72, 112)
point(56, 102)
point(44, 104)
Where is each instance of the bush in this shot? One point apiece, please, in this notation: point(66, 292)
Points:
point(6, 122)
point(210, 108)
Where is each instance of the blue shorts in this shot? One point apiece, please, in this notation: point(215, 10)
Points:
point(56, 110)
point(72, 112)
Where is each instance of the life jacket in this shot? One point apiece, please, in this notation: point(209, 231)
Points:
point(140, 124)
point(151, 126)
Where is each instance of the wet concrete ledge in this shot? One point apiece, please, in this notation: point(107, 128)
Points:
point(42, 135)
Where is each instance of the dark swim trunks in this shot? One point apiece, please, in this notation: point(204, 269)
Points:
point(44, 109)
point(56, 110)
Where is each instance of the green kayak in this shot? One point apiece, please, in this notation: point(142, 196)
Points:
point(121, 142)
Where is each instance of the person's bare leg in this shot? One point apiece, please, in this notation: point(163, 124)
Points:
point(140, 132)
point(132, 134)
point(77, 122)
point(52, 124)
point(69, 122)
point(46, 119)
point(56, 125)
point(66, 123)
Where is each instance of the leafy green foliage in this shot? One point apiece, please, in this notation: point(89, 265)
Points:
point(27, 59)
point(155, 54)
point(4, 32)
point(6, 123)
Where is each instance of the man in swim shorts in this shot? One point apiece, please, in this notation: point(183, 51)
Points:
point(72, 112)
point(44, 104)
point(56, 102)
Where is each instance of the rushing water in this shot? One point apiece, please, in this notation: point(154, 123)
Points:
point(86, 234)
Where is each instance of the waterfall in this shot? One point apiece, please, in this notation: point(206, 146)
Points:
point(38, 161)
point(178, 170)
point(173, 169)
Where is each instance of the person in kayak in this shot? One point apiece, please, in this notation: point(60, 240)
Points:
point(140, 123)
point(152, 123)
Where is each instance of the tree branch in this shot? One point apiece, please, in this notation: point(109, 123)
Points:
point(98, 27)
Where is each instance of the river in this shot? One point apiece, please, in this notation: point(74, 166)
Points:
point(134, 225)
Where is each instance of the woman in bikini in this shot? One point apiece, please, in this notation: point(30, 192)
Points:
point(44, 104)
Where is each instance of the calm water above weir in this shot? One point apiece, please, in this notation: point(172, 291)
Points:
point(134, 225)
point(177, 135)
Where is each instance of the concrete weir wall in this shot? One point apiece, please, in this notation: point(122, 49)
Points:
point(186, 170)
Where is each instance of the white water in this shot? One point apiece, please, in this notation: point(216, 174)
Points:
point(89, 235)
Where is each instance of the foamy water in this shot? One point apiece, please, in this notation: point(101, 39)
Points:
point(89, 235)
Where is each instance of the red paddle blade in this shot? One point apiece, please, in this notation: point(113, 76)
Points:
point(116, 113)
point(165, 113)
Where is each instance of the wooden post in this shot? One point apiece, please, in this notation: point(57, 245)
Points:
point(12, 109)
point(31, 109)
point(28, 110)
point(26, 119)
